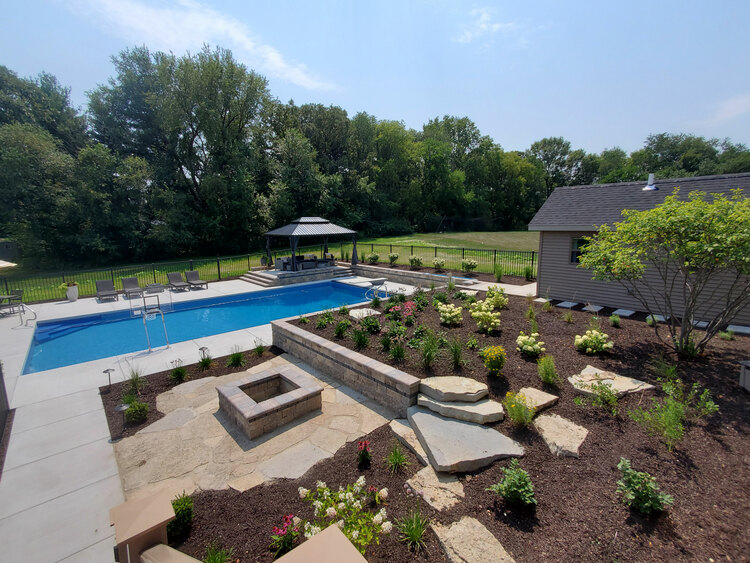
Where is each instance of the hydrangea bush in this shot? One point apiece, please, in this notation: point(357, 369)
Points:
point(530, 345)
point(468, 265)
point(415, 261)
point(373, 258)
point(487, 320)
point(496, 297)
point(450, 315)
point(593, 342)
point(393, 258)
point(439, 263)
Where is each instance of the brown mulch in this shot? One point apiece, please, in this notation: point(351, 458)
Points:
point(579, 514)
point(160, 382)
point(481, 276)
point(5, 438)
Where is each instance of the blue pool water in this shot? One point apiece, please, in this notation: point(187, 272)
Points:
point(81, 339)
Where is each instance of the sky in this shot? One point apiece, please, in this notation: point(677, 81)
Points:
point(600, 74)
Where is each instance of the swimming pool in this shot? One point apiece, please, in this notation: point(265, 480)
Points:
point(71, 341)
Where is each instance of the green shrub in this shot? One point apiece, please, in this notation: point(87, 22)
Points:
point(726, 334)
point(370, 324)
point(439, 263)
point(547, 307)
point(420, 300)
point(528, 273)
point(396, 459)
point(415, 261)
point(327, 317)
point(217, 554)
point(567, 316)
point(258, 349)
point(393, 258)
point(639, 490)
point(321, 323)
point(614, 321)
point(236, 358)
point(137, 381)
point(205, 363)
point(412, 529)
point(397, 353)
point(593, 342)
point(496, 297)
point(375, 303)
point(498, 273)
point(468, 265)
point(385, 342)
point(372, 258)
point(361, 340)
point(530, 345)
point(341, 328)
point(439, 297)
point(651, 320)
point(663, 419)
point(604, 397)
point(456, 351)
point(451, 284)
point(494, 359)
point(487, 320)
point(137, 412)
point(344, 311)
point(472, 343)
point(515, 486)
point(304, 320)
point(183, 511)
point(178, 373)
point(547, 372)
point(518, 409)
point(429, 349)
point(450, 315)
point(531, 312)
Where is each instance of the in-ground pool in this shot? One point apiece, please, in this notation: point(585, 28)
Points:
point(71, 341)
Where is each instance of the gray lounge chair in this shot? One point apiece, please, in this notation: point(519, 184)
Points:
point(131, 288)
point(105, 289)
point(193, 278)
point(176, 282)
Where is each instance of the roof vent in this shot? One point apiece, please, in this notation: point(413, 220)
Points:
point(650, 187)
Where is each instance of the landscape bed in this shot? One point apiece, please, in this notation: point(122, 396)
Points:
point(579, 514)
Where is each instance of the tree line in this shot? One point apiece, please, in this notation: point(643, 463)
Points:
point(193, 156)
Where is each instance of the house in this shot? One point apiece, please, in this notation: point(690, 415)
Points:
point(572, 212)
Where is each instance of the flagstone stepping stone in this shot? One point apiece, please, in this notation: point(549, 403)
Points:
point(538, 399)
point(440, 490)
point(624, 313)
point(567, 305)
point(701, 325)
point(468, 541)
point(408, 438)
point(481, 412)
point(362, 313)
point(592, 308)
point(739, 329)
point(563, 437)
point(453, 388)
point(246, 482)
point(659, 318)
point(456, 445)
point(175, 419)
point(540, 300)
point(621, 384)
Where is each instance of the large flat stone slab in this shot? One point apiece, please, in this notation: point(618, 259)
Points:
point(481, 412)
point(739, 329)
point(562, 436)
point(538, 399)
point(362, 313)
point(592, 308)
point(440, 490)
point(408, 438)
point(567, 304)
point(453, 388)
point(624, 313)
point(621, 384)
point(468, 541)
point(455, 445)
point(175, 419)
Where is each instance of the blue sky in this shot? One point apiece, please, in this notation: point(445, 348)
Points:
point(599, 74)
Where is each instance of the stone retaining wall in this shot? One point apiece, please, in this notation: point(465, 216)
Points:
point(408, 277)
point(391, 387)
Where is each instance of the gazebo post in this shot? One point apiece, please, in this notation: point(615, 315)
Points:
point(325, 243)
point(354, 250)
point(268, 250)
point(294, 253)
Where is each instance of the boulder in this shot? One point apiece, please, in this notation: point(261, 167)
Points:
point(563, 437)
point(481, 412)
point(468, 541)
point(453, 388)
point(362, 313)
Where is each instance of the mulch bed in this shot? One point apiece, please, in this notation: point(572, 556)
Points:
point(160, 382)
point(5, 438)
point(481, 276)
point(579, 515)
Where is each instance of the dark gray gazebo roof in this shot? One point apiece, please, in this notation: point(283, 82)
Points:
point(310, 227)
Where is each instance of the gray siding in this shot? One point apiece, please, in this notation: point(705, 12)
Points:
point(560, 279)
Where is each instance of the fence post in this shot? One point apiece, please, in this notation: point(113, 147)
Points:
point(533, 255)
point(112, 272)
point(248, 262)
point(372, 248)
point(494, 261)
point(412, 250)
point(218, 267)
point(153, 270)
point(191, 263)
point(7, 291)
point(436, 251)
point(463, 253)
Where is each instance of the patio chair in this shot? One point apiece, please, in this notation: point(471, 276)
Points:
point(176, 282)
point(16, 300)
point(194, 279)
point(105, 289)
point(131, 288)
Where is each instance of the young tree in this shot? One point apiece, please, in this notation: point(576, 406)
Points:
point(679, 258)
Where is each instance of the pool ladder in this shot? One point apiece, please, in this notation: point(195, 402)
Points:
point(152, 313)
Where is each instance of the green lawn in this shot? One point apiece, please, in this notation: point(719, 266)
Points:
point(512, 240)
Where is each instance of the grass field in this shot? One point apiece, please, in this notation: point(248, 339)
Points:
point(512, 240)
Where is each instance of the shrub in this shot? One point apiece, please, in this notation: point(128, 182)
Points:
point(393, 258)
point(498, 273)
point(663, 419)
point(547, 306)
point(593, 342)
point(370, 324)
point(304, 320)
point(604, 397)
point(344, 311)
point(460, 295)
point(496, 297)
point(372, 258)
point(396, 460)
point(450, 315)
point(515, 486)
point(375, 303)
point(236, 359)
point(137, 381)
point(472, 343)
point(451, 284)
point(258, 349)
point(364, 456)
point(487, 320)
point(614, 320)
point(328, 317)
point(217, 554)
point(205, 362)
point(397, 352)
point(415, 261)
point(429, 348)
point(456, 351)
point(136, 413)
point(639, 490)
point(183, 511)
point(518, 409)
point(360, 338)
point(439, 297)
point(651, 320)
point(341, 328)
point(385, 342)
point(531, 312)
point(530, 345)
point(547, 372)
point(283, 538)
point(420, 300)
point(412, 529)
point(468, 265)
point(567, 316)
point(528, 273)
point(494, 359)
point(178, 373)
point(726, 334)
point(439, 263)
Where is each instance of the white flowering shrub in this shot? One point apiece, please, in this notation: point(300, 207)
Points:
point(372, 258)
point(450, 315)
point(496, 297)
point(468, 265)
point(530, 345)
point(487, 319)
point(348, 508)
point(593, 342)
point(415, 261)
point(439, 263)
point(393, 257)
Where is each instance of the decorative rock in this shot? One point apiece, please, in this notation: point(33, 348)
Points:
point(541, 300)
point(563, 437)
point(625, 313)
point(246, 482)
point(592, 308)
point(408, 438)
point(620, 384)
point(362, 313)
point(455, 445)
point(481, 412)
point(660, 318)
point(739, 329)
point(700, 325)
point(468, 541)
point(537, 398)
point(567, 305)
point(453, 388)
point(439, 490)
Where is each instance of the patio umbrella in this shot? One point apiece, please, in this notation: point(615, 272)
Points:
point(4, 264)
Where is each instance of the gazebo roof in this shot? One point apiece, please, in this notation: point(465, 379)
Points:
point(310, 227)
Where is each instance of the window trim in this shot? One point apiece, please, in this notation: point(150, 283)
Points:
point(575, 244)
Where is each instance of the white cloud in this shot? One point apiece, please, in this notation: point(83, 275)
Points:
point(182, 25)
point(729, 109)
point(482, 26)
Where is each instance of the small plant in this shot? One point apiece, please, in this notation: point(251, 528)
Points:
point(567, 316)
point(385, 342)
point(360, 338)
point(460, 295)
point(304, 320)
point(420, 299)
point(183, 511)
point(547, 372)
point(494, 359)
point(726, 334)
point(137, 381)
point(496, 297)
point(136, 413)
point(217, 554)
point(370, 324)
point(439, 297)
point(179, 372)
point(397, 352)
point(327, 318)
point(651, 320)
point(364, 456)
point(283, 538)
point(341, 328)
point(547, 307)
point(593, 342)
point(531, 312)
point(393, 258)
point(236, 358)
point(346, 256)
point(372, 258)
point(498, 274)
point(468, 265)
point(259, 349)
point(456, 351)
point(412, 529)
point(415, 261)
point(429, 349)
point(639, 490)
point(375, 303)
point(518, 408)
point(663, 419)
point(450, 315)
point(614, 321)
point(604, 397)
point(321, 323)
point(487, 319)
point(528, 273)
point(515, 486)
point(472, 343)
point(439, 263)
point(451, 284)
point(396, 459)
point(344, 311)
point(530, 345)
point(204, 364)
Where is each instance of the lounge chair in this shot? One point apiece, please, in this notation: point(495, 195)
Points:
point(194, 279)
point(105, 289)
point(176, 281)
point(131, 288)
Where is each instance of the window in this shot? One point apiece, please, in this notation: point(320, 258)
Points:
point(575, 249)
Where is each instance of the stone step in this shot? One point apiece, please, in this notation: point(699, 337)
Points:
point(562, 436)
point(468, 541)
point(481, 412)
point(453, 388)
point(537, 398)
point(621, 384)
point(402, 429)
point(455, 445)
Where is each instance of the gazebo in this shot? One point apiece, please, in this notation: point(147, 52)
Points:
point(310, 227)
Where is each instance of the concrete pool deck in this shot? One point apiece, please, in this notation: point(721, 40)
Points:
point(61, 477)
